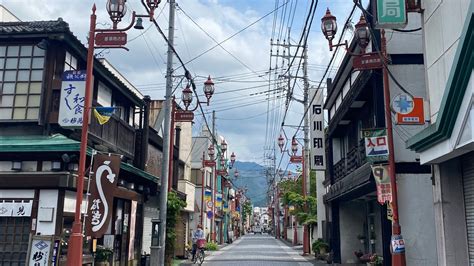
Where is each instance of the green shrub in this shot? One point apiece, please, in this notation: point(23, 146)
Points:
point(102, 254)
point(211, 246)
point(320, 245)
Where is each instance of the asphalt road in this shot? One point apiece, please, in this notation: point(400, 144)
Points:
point(253, 250)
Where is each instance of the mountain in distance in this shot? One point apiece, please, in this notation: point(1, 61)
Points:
point(251, 175)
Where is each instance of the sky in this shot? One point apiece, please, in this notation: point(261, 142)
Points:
point(240, 73)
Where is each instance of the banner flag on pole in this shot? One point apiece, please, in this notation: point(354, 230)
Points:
point(207, 195)
point(103, 114)
point(382, 179)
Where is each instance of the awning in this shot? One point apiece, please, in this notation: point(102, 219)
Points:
point(57, 143)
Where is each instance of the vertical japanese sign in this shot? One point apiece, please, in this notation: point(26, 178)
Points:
point(133, 217)
point(104, 183)
point(72, 98)
point(382, 179)
point(376, 144)
point(40, 252)
point(318, 150)
point(391, 14)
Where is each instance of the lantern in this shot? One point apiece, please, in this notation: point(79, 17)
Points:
point(362, 33)
point(232, 158)
point(329, 26)
point(211, 152)
point(281, 142)
point(223, 146)
point(152, 4)
point(294, 146)
point(208, 88)
point(236, 173)
point(187, 96)
point(116, 10)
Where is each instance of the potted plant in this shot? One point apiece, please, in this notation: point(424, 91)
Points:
point(372, 238)
point(361, 238)
point(320, 247)
point(376, 260)
point(102, 256)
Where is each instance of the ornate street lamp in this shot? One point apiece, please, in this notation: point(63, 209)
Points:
point(152, 4)
point(232, 160)
point(116, 10)
point(187, 97)
point(222, 162)
point(281, 142)
point(329, 27)
point(211, 152)
point(223, 146)
point(236, 173)
point(208, 88)
point(294, 146)
point(362, 34)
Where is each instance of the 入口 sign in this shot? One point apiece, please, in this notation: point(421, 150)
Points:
point(71, 106)
point(376, 144)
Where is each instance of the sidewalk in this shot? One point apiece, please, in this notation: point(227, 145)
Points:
point(187, 262)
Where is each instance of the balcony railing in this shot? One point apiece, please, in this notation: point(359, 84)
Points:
point(116, 133)
point(354, 159)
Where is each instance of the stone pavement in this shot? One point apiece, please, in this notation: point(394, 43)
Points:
point(256, 250)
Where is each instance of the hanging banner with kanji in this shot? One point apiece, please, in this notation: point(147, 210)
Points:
point(382, 179)
point(71, 104)
point(103, 185)
point(318, 150)
point(376, 144)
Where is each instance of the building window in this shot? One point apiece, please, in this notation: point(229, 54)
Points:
point(21, 76)
point(104, 96)
point(70, 62)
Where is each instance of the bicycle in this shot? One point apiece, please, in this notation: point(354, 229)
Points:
point(200, 255)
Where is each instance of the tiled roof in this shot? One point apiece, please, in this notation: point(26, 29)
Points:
point(34, 27)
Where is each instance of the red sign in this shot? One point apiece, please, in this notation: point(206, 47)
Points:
point(111, 38)
point(367, 61)
point(222, 172)
point(296, 159)
point(183, 116)
point(415, 117)
point(209, 163)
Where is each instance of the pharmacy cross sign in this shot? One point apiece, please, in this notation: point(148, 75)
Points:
point(391, 14)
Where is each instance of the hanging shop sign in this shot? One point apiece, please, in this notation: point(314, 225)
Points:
point(16, 209)
point(222, 172)
point(389, 211)
point(71, 104)
point(391, 14)
point(209, 163)
point(111, 39)
point(318, 150)
point(41, 251)
point(382, 179)
point(207, 195)
point(403, 104)
point(296, 159)
point(218, 200)
point(416, 116)
point(99, 210)
point(183, 116)
point(376, 144)
point(367, 61)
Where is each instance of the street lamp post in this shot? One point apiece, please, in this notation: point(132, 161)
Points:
point(116, 10)
point(362, 35)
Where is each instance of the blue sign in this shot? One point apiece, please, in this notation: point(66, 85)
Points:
point(209, 214)
point(72, 100)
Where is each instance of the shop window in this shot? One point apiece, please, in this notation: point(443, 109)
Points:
point(21, 76)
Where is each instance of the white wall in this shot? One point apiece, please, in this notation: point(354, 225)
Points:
point(443, 21)
point(406, 42)
point(150, 211)
point(415, 199)
point(352, 216)
point(6, 15)
point(48, 198)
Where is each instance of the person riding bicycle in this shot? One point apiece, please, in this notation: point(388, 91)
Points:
point(198, 234)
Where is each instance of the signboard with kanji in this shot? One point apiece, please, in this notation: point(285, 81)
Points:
point(71, 106)
point(391, 14)
point(111, 38)
point(41, 251)
point(16, 209)
point(367, 61)
point(416, 116)
point(376, 144)
point(183, 116)
point(318, 150)
point(382, 179)
point(99, 209)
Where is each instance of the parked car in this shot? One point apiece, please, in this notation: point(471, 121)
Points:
point(257, 229)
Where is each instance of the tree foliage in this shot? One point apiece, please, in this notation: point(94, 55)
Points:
point(174, 207)
point(246, 210)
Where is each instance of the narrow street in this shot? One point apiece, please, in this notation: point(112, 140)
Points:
point(256, 250)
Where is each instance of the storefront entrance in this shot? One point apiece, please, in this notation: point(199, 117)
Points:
point(14, 238)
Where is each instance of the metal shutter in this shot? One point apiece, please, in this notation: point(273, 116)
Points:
point(468, 179)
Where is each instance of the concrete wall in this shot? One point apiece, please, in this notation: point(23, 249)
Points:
point(150, 211)
point(443, 21)
point(415, 199)
point(48, 200)
point(185, 147)
point(351, 223)
point(449, 212)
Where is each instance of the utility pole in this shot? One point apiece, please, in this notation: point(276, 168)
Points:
point(158, 258)
point(306, 164)
point(214, 179)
